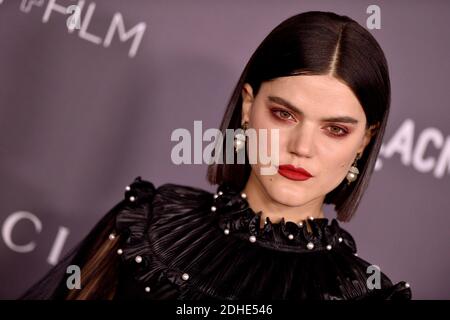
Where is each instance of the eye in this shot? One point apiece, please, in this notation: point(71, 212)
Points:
point(338, 131)
point(283, 114)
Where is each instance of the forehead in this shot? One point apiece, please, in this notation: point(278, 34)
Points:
point(316, 93)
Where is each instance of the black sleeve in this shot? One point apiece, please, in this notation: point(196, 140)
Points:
point(90, 251)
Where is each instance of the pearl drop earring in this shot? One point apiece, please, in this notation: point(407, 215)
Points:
point(239, 138)
point(353, 172)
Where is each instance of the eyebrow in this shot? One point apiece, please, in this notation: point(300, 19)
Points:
point(287, 104)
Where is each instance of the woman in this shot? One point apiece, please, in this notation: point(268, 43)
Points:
point(319, 79)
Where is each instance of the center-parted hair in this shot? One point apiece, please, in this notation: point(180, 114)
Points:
point(318, 43)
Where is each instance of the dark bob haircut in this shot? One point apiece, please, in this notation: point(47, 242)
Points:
point(318, 43)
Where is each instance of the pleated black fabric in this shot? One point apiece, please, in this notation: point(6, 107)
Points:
point(188, 244)
point(179, 242)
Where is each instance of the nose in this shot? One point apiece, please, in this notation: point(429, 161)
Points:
point(301, 141)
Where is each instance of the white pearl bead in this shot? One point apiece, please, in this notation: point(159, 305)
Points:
point(311, 218)
point(119, 251)
point(132, 198)
point(147, 289)
point(226, 231)
point(300, 224)
point(329, 247)
point(213, 209)
point(243, 195)
point(356, 254)
point(220, 193)
point(310, 245)
point(351, 176)
point(127, 188)
point(215, 196)
point(252, 238)
point(291, 237)
point(185, 276)
point(112, 236)
point(138, 259)
point(340, 239)
point(407, 285)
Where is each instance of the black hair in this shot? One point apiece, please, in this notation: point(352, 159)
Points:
point(318, 43)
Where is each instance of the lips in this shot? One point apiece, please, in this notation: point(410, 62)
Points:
point(290, 172)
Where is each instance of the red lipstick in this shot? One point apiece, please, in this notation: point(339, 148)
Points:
point(290, 172)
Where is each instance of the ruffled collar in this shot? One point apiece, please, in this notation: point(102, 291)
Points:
point(236, 218)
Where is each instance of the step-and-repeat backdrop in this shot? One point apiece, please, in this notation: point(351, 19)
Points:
point(91, 90)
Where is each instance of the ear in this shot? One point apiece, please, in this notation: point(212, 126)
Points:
point(370, 132)
point(247, 102)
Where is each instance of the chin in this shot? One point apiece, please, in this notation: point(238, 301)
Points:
point(285, 192)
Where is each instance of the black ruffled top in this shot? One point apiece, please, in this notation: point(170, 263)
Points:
point(184, 243)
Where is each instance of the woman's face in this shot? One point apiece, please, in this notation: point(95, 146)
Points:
point(301, 107)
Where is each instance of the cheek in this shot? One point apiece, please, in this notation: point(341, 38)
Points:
point(263, 123)
point(337, 159)
point(333, 168)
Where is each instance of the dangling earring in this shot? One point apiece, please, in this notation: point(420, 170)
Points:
point(239, 138)
point(353, 172)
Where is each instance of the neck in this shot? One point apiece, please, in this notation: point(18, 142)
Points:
point(259, 200)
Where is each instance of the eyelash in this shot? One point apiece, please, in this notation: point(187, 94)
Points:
point(276, 113)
